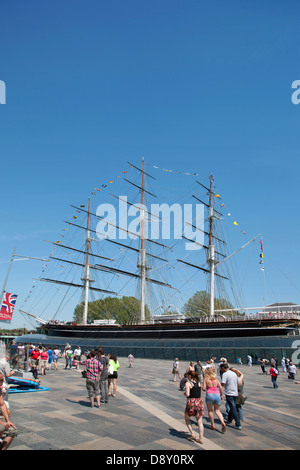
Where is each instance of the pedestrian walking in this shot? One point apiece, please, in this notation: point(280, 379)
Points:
point(213, 398)
point(198, 370)
point(113, 366)
point(93, 371)
point(175, 369)
point(194, 405)
point(131, 360)
point(263, 362)
point(292, 370)
point(50, 357)
point(104, 376)
point(34, 359)
point(44, 360)
point(77, 356)
point(67, 346)
point(223, 360)
point(274, 375)
point(69, 358)
point(56, 355)
point(230, 384)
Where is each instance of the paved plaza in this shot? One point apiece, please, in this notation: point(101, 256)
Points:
point(148, 414)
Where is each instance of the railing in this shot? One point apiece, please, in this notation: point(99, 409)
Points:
point(218, 318)
point(229, 318)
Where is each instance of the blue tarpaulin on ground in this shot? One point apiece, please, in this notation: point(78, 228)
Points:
point(27, 389)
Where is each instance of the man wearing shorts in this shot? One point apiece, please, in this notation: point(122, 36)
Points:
point(93, 370)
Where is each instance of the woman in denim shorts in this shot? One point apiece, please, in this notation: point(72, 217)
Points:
point(214, 397)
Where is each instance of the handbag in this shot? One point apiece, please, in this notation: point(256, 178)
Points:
point(84, 374)
point(241, 399)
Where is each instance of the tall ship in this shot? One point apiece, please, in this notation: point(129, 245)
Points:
point(111, 254)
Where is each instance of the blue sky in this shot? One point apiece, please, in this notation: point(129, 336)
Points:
point(190, 86)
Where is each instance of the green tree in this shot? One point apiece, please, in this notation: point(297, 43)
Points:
point(198, 305)
point(125, 311)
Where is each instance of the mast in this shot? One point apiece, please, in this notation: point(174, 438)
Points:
point(86, 278)
point(211, 253)
point(9, 268)
point(142, 261)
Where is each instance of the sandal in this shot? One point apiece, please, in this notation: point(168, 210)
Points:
point(212, 428)
point(224, 428)
point(199, 441)
point(192, 438)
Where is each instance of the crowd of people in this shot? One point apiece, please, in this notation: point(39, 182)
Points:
point(100, 372)
point(203, 377)
point(34, 359)
point(287, 366)
point(220, 383)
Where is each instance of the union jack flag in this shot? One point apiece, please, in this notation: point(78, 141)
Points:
point(8, 305)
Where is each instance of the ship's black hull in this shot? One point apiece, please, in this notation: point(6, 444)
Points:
point(170, 331)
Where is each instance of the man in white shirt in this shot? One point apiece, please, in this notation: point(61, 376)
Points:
point(77, 356)
point(130, 359)
point(230, 383)
point(292, 371)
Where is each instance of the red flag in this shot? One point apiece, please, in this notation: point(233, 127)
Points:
point(261, 245)
point(8, 306)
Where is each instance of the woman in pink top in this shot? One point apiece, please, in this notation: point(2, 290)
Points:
point(214, 396)
point(44, 361)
